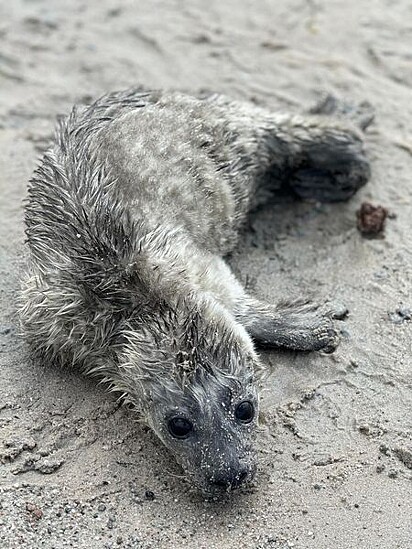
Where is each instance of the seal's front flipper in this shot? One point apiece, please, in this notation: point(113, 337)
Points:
point(299, 325)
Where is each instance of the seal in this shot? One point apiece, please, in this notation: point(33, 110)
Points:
point(128, 219)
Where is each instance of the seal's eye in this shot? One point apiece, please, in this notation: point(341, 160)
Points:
point(245, 411)
point(180, 427)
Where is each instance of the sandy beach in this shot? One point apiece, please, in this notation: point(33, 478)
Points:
point(335, 444)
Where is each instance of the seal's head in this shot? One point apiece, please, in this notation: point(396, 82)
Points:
point(209, 426)
point(195, 387)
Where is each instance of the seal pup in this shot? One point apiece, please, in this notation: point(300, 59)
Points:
point(128, 218)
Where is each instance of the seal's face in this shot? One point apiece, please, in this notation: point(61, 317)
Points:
point(193, 381)
point(209, 426)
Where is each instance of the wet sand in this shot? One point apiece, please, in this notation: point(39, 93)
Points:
point(335, 444)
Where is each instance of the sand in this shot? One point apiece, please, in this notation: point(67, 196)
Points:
point(335, 445)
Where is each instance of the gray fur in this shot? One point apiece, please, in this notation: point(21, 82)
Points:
point(128, 218)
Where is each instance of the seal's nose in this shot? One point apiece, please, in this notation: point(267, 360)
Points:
point(230, 478)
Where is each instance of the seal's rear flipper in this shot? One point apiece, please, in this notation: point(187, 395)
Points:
point(331, 165)
point(361, 115)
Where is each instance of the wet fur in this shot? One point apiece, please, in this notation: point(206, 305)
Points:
point(128, 218)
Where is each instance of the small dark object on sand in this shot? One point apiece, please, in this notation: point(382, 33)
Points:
point(371, 220)
point(400, 315)
point(34, 510)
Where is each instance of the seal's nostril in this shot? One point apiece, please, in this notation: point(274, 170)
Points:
point(239, 478)
point(242, 476)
